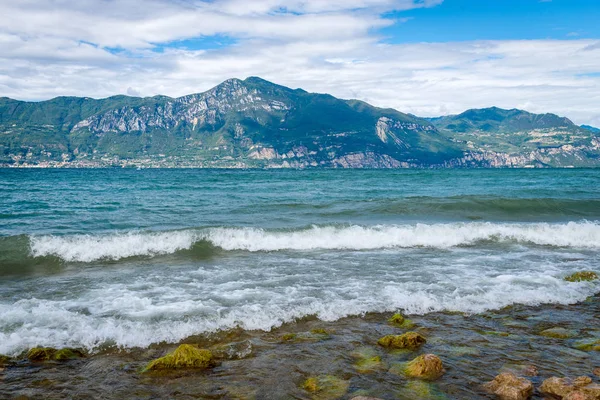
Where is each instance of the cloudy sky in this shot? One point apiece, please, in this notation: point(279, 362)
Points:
point(426, 57)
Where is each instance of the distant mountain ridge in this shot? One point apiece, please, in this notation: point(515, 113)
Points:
point(255, 123)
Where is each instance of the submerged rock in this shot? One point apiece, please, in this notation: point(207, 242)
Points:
point(185, 356)
point(417, 389)
point(520, 369)
point(233, 351)
point(564, 387)
point(288, 337)
point(582, 276)
point(41, 353)
point(558, 333)
point(68, 354)
point(400, 321)
point(315, 335)
point(326, 386)
point(50, 353)
point(367, 360)
point(409, 340)
point(428, 366)
point(365, 398)
point(508, 386)
point(588, 345)
point(365, 365)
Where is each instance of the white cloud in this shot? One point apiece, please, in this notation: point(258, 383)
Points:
point(56, 47)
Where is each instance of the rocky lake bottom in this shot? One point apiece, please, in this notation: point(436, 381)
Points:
point(342, 359)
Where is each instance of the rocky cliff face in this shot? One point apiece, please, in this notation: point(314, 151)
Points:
point(255, 123)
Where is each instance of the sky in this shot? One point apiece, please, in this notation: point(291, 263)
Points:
point(425, 57)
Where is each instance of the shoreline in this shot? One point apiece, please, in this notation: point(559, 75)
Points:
point(258, 365)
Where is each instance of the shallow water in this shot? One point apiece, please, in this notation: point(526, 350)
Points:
point(122, 259)
point(473, 348)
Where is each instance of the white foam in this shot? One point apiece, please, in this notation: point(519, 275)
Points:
point(87, 248)
point(139, 309)
point(572, 234)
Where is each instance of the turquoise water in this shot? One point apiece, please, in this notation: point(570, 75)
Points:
point(126, 258)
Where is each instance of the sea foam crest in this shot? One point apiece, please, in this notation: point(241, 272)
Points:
point(87, 248)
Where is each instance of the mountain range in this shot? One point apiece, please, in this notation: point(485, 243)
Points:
point(254, 123)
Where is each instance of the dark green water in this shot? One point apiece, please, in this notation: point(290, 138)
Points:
point(97, 258)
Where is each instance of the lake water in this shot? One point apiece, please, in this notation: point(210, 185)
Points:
point(128, 258)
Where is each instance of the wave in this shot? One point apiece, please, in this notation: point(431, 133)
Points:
point(204, 242)
point(120, 315)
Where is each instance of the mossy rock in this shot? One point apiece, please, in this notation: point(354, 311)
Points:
point(463, 351)
point(588, 345)
point(582, 276)
point(427, 366)
point(366, 365)
point(41, 353)
point(68, 354)
point(494, 333)
point(288, 337)
point(50, 353)
point(422, 390)
point(558, 333)
point(185, 356)
point(367, 360)
point(4, 360)
point(326, 387)
point(409, 340)
point(400, 321)
point(321, 331)
point(314, 335)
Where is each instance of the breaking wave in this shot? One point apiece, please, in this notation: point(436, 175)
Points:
point(89, 248)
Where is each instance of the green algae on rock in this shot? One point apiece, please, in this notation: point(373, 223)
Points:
point(508, 386)
point(41, 353)
point(68, 354)
point(315, 335)
point(588, 345)
point(185, 356)
point(409, 340)
point(288, 337)
point(422, 390)
point(400, 321)
point(50, 353)
point(320, 331)
point(427, 366)
point(326, 387)
point(366, 365)
point(367, 360)
point(558, 333)
point(582, 276)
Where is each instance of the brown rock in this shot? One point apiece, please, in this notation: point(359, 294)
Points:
point(508, 386)
point(582, 381)
point(576, 395)
point(563, 387)
point(592, 391)
point(560, 387)
point(428, 366)
point(596, 371)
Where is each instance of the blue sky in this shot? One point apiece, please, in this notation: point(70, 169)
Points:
point(426, 57)
point(461, 20)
